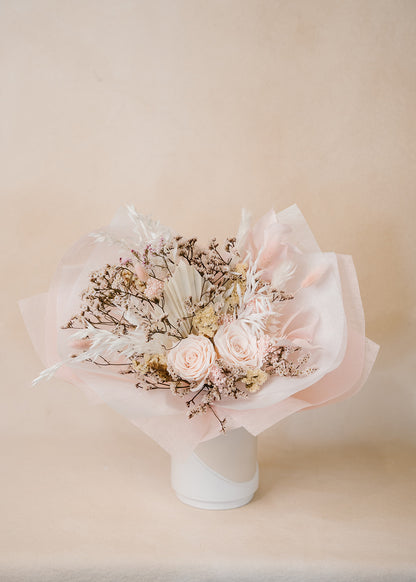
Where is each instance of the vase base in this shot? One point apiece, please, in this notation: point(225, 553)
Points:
point(215, 505)
point(198, 484)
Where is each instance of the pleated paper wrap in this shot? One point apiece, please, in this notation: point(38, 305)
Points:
point(326, 317)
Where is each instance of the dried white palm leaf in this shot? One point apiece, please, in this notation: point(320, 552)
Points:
point(185, 283)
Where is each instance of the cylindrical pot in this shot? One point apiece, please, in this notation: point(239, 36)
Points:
point(221, 473)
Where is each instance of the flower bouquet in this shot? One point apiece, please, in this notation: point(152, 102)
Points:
point(204, 347)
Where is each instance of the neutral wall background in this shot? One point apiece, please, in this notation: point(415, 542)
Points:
point(191, 110)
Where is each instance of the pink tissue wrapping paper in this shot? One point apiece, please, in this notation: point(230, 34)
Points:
point(326, 313)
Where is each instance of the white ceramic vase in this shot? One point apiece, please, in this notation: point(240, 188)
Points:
point(221, 473)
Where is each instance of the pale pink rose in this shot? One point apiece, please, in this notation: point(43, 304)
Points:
point(237, 345)
point(192, 358)
point(217, 376)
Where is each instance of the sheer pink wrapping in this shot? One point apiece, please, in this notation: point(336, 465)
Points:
point(326, 316)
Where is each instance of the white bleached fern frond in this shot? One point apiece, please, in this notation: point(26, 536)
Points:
point(254, 285)
point(283, 274)
point(104, 236)
point(107, 342)
point(147, 229)
point(255, 306)
point(49, 372)
point(244, 226)
point(103, 343)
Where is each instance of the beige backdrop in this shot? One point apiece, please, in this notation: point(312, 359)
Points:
point(192, 110)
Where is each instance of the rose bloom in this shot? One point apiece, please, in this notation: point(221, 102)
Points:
point(192, 358)
point(237, 345)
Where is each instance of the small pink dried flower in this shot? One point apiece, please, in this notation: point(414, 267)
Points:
point(154, 288)
point(141, 272)
point(217, 376)
point(81, 344)
point(225, 318)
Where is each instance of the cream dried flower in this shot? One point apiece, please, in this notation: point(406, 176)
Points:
point(236, 288)
point(205, 321)
point(254, 380)
point(152, 363)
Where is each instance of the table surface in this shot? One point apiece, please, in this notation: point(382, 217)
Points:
point(82, 508)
